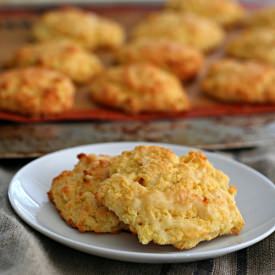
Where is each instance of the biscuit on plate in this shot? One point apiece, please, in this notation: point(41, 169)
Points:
point(85, 28)
point(185, 28)
point(183, 61)
point(139, 88)
point(256, 44)
point(262, 18)
point(73, 196)
point(235, 81)
point(35, 91)
point(168, 199)
point(61, 55)
point(224, 12)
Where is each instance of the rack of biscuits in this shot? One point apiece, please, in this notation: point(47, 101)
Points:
point(151, 192)
point(182, 59)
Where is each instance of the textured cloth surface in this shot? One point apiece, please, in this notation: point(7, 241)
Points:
point(24, 251)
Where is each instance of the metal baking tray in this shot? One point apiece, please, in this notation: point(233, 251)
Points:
point(220, 133)
point(33, 140)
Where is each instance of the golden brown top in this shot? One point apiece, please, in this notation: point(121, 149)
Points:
point(87, 29)
point(185, 28)
point(224, 12)
point(262, 18)
point(73, 194)
point(169, 199)
point(231, 80)
point(35, 91)
point(61, 55)
point(256, 44)
point(139, 88)
point(183, 61)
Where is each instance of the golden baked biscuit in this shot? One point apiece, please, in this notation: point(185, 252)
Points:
point(183, 61)
point(262, 18)
point(224, 12)
point(169, 199)
point(139, 88)
point(256, 44)
point(234, 81)
point(73, 196)
point(87, 29)
point(185, 28)
point(35, 91)
point(61, 55)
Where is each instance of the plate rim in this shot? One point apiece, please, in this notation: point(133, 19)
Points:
point(177, 256)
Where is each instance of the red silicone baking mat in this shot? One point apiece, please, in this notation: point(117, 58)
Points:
point(15, 24)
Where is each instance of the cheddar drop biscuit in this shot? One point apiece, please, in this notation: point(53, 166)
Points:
point(87, 29)
point(35, 91)
point(234, 81)
point(61, 55)
point(73, 196)
point(262, 18)
point(139, 88)
point(168, 199)
point(256, 44)
point(183, 61)
point(224, 12)
point(185, 28)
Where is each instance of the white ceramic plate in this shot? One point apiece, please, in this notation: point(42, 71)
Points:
point(28, 188)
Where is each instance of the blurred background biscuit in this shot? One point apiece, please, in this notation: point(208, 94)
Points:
point(139, 88)
point(61, 55)
point(183, 61)
point(224, 12)
point(264, 17)
point(185, 28)
point(87, 29)
point(35, 91)
point(256, 44)
point(235, 81)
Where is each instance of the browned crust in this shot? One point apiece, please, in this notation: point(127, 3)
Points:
point(74, 189)
point(236, 81)
point(139, 88)
point(183, 61)
point(35, 91)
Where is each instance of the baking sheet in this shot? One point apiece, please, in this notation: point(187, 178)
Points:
point(33, 140)
point(15, 31)
point(24, 140)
